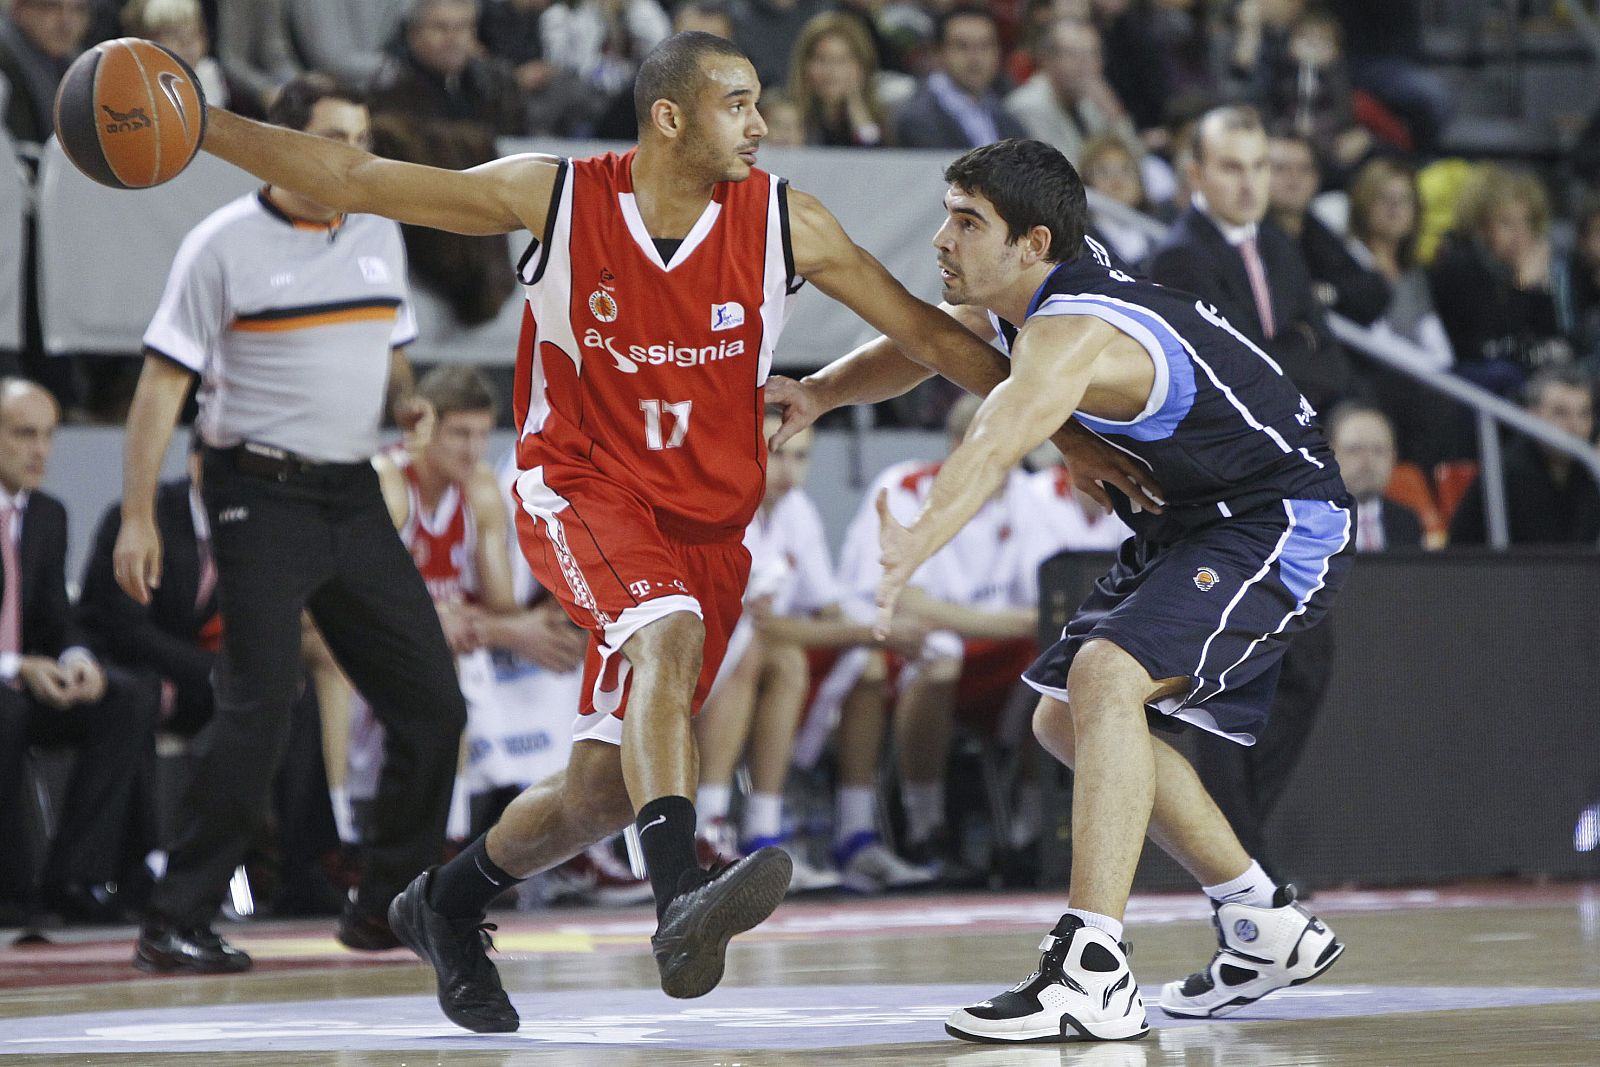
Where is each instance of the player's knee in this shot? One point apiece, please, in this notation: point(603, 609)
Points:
point(1052, 726)
point(876, 670)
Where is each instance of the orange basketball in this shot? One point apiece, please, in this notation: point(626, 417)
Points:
point(129, 114)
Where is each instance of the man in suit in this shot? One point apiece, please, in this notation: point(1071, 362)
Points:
point(177, 635)
point(38, 40)
point(1227, 252)
point(1363, 442)
point(957, 107)
point(53, 691)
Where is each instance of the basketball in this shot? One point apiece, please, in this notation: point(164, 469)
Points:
point(129, 114)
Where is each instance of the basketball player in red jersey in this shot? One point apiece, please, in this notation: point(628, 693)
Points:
point(656, 293)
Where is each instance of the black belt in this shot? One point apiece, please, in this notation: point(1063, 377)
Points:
point(265, 461)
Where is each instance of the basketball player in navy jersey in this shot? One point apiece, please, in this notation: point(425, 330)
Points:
point(1250, 544)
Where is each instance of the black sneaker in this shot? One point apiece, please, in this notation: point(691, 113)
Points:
point(362, 930)
point(469, 987)
point(691, 944)
point(165, 947)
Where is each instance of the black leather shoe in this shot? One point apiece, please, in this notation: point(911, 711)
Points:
point(165, 947)
point(691, 944)
point(87, 904)
point(363, 931)
point(469, 987)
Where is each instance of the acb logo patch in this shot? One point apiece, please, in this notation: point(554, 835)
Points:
point(1205, 579)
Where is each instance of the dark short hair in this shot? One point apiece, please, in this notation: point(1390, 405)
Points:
point(300, 94)
point(1030, 184)
point(454, 387)
point(672, 70)
point(962, 11)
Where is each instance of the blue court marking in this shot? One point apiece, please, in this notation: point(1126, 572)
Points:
point(753, 1018)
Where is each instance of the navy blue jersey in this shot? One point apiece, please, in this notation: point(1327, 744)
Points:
point(1224, 431)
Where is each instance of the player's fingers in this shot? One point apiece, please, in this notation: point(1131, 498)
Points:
point(1097, 492)
point(885, 516)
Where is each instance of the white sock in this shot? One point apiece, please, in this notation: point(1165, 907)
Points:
point(344, 819)
point(1253, 887)
point(924, 808)
point(1099, 922)
point(711, 803)
point(857, 812)
point(763, 815)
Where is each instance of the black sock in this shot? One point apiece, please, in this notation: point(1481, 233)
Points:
point(463, 888)
point(666, 833)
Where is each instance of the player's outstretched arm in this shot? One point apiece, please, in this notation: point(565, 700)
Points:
point(136, 558)
point(497, 197)
point(826, 256)
point(1052, 363)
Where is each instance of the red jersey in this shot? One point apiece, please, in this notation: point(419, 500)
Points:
point(444, 542)
point(650, 372)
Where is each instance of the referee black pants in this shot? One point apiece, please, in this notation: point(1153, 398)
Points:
point(317, 538)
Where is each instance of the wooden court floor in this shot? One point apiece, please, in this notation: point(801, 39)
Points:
point(1497, 974)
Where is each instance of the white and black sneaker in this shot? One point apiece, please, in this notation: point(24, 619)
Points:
point(1082, 991)
point(1261, 950)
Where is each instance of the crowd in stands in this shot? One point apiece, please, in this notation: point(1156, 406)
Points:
point(1292, 150)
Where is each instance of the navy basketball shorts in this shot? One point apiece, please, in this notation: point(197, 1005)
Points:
point(1217, 606)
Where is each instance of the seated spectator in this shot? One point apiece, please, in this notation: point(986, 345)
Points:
point(1491, 282)
point(39, 39)
point(958, 107)
point(1578, 301)
point(348, 39)
point(1255, 42)
point(1110, 167)
point(833, 72)
point(765, 30)
point(552, 104)
point(1307, 93)
point(442, 74)
point(1384, 40)
point(1363, 443)
point(179, 26)
point(1383, 236)
point(254, 49)
point(58, 693)
point(603, 41)
point(443, 102)
point(756, 703)
point(1137, 57)
point(1550, 498)
point(175, 637)
point(976, 599)
point(1341, 282)
point(1068, 100)
point(1226, 251)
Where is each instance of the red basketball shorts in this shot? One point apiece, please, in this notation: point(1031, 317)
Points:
point(595, 544)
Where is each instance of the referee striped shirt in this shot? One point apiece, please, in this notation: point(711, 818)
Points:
point(290, 326)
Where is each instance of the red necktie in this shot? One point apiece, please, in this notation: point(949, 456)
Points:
point(1258, 285)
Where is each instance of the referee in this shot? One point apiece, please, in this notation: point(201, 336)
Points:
point(293, 316)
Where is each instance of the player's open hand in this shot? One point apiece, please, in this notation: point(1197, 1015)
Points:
point(136, 559)
point(900, 559)
point(1095, 465)
point(800, 404)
